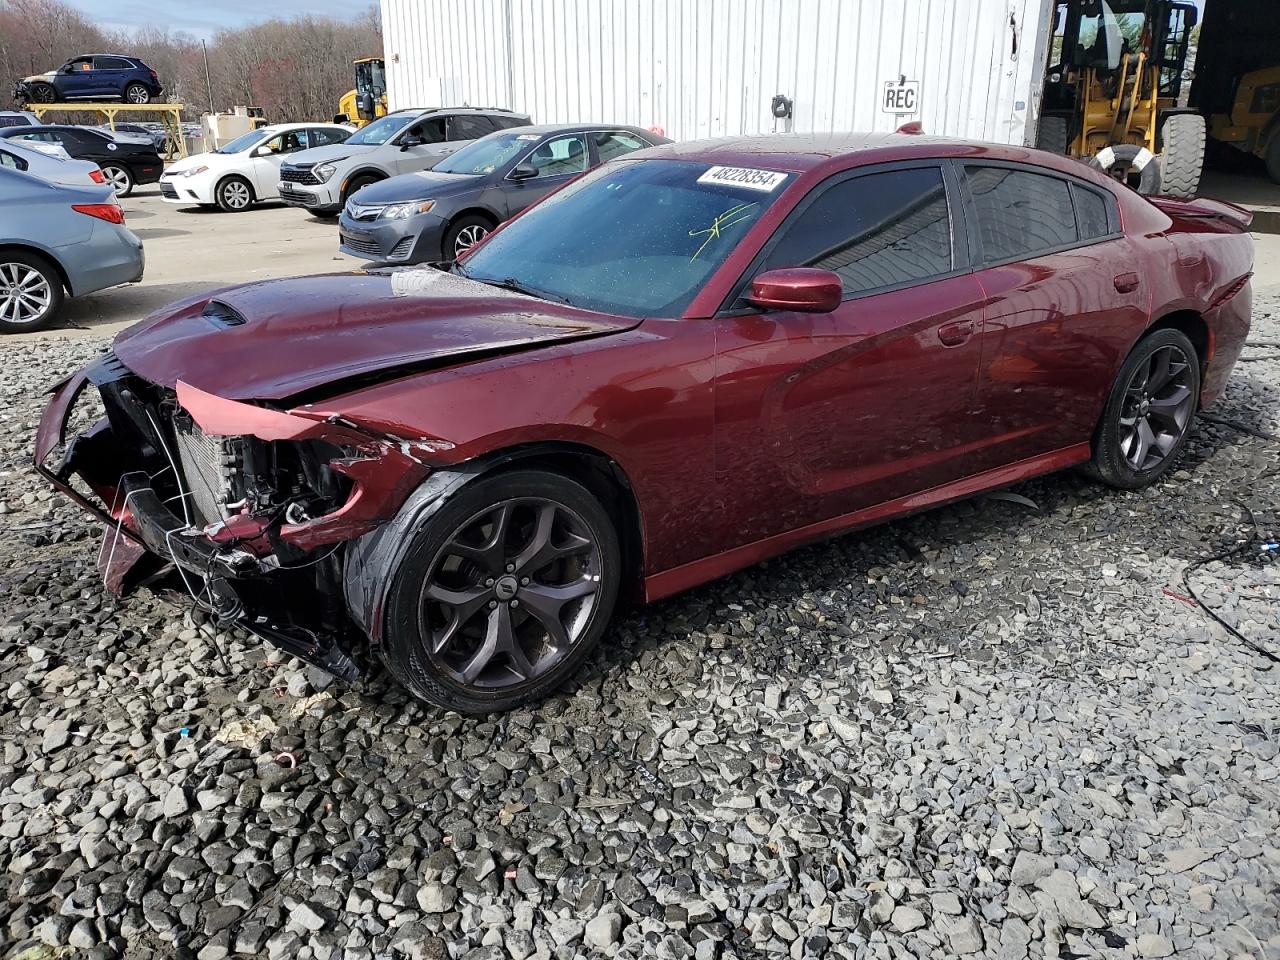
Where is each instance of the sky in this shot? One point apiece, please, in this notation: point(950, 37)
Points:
point(205, 19)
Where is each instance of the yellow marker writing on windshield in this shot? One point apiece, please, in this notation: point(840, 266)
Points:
point(735, 214)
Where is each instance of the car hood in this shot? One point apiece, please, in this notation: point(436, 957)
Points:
point(47, 75)
point(277, 339)
point(333, 151)
point(419, 186)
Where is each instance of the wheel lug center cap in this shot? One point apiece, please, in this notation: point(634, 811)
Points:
point(506, 588)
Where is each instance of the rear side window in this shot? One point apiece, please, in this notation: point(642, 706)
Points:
point(7, 159)
point(878, 230)
point(323, 136)
point(1020, 213)
point(504, 122)
point(111, 63)
point(1092, 211)
point(469, 127)
point(614, 143)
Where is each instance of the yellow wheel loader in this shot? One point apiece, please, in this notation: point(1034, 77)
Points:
point(1253, 125)
point(1113, 92)
point(368, 100)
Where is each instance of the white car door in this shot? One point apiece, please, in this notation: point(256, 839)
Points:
point(267, 158)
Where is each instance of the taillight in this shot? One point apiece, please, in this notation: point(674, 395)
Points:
point(154, 75)
point(103, 211)
point(97, 176)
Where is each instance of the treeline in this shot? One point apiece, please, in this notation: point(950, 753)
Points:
point(294, 69)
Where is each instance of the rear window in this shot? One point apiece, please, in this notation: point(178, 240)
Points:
point(1020, 214)
point(14, 120)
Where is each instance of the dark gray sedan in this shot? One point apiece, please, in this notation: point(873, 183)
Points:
point(439, 213)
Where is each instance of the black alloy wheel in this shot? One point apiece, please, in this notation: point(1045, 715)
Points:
point(503, 593)
point(1150, 411)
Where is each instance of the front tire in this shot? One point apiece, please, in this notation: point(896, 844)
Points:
point(1149, 412)
point(120, 178)
point(137, 93)
point(234, 194)
point(463, 234)
point(503, 593)
point(43, 93)
point(1052, 135)
point(357, 184)
point(30, 292)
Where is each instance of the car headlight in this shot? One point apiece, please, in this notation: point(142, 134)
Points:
point(323, 171)
point(403, 211)
point(194, 171)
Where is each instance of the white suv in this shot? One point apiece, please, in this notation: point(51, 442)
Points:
point(405, 141)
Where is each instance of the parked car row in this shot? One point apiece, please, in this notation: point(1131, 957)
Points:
point(125, 163)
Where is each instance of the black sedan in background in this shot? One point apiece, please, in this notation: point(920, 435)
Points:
point(125, 163)
point(439, 213)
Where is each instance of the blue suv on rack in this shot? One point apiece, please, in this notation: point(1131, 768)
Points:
point(95, 76)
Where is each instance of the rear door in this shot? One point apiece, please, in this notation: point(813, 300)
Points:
point(607, 144)
point(1064, 302)
point(822, 415)
point(557, 160)
point(110, 74)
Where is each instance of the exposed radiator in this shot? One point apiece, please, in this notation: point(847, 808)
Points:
point(208, 466)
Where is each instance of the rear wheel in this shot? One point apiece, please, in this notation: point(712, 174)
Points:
point(1149, 412)
point(463, 234)
point(234, 194)
point(503, 593)
point(1182, 162)
point(1052, 135)
point(137, 93)
point(120, 178)
point(30, 292)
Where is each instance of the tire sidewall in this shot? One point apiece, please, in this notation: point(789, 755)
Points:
point(455, 228)
point(221, 197)
point(1148, 179)
point(403, 649)
point(1108, 461)
point(128, 178)
point(147, 93)
point(51, 276)
point(357, 184)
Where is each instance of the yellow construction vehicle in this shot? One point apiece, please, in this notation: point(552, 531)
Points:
point(1253, 125)
point(368, 100)
point(1114, 89)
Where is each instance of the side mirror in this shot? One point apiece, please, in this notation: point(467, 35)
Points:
point(411, 140)
point(524, 171)
point(803, 289)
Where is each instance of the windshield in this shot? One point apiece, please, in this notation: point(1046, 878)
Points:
point(382, 130)
point(487, 154)
point(637, 238)
point(244, 141)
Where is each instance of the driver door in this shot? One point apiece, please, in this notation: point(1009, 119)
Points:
point(821, 415)
point(76, 78)
point(267, 158)
point(420, 147)
point(557, 161)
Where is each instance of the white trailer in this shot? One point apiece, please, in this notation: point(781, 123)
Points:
point(708, 68)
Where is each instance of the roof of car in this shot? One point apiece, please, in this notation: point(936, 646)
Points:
point(572, 128)
point(802, 152)
point(122, 56)
point(514, 113)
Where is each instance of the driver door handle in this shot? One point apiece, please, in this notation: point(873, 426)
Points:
point(954, 334)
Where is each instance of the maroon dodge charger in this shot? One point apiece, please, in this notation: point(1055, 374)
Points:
point(680, 364)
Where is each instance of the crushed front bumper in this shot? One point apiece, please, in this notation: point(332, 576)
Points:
point(283, 584)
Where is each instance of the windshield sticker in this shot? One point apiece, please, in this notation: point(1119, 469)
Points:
point(734, 215)
point(766, 181)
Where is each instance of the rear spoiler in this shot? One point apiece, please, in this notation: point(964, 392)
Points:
point(1204, 208)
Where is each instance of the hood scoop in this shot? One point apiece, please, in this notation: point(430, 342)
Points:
point(223, 315)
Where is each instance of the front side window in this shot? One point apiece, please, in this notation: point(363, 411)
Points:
point(637, 238)
point(561, 156)
point(381, 130)
point(428, 131)
point(1020, 214)
point(878, 230)
point(614, 143)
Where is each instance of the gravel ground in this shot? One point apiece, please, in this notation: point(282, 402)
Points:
point(996, 729)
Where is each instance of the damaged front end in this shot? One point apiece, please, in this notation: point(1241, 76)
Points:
point(251, 505)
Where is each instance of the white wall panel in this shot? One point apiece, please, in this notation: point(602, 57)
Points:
point(703, 68)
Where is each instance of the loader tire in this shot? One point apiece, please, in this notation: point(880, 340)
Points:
point(1130, 164)
point(1052, 135)
point(1182, 161)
